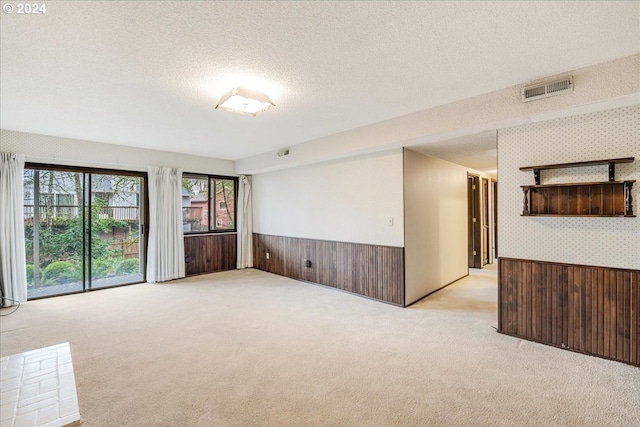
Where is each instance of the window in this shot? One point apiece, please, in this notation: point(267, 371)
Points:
point(208, 203)
point(223, 197)
point(195, 194)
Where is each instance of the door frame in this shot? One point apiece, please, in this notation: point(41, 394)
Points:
point(474, 221)
point(494, 192)
point(485, 225)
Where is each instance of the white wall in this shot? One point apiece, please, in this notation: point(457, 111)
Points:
point(349, 200)
point(607, 242)
point(74, 152)
point(436, 212)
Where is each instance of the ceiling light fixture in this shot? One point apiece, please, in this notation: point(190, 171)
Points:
point(245, 101)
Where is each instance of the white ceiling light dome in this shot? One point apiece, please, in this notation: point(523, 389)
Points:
point(245, 101)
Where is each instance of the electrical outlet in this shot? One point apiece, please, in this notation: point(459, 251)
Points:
point(267, 255)
point(307, 263)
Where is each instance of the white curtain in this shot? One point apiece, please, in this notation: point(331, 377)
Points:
point(165, 259)
point(245, 223)
point(13, 270)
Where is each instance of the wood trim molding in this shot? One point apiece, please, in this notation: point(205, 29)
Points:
point(373, 271)
point(587, 309)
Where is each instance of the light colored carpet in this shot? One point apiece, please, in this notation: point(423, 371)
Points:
point(249, 348)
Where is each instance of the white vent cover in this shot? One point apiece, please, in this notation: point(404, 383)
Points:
point(545, 90)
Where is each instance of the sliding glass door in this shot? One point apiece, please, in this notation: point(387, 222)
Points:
point(116, 248)
point(83, 230)
point(53, 225)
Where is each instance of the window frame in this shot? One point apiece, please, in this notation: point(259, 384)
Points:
point(211, 226)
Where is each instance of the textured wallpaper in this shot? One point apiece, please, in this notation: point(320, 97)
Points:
point(608, 242)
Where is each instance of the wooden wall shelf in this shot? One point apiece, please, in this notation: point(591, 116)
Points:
point(603, 199)
point(611, 162)
point(585, 199)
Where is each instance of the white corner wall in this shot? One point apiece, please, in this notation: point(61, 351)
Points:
point(436, 239)
point(74, 152)
point(606, 242)
point(348, 200)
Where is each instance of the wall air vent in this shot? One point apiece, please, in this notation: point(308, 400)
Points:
point(545, 90)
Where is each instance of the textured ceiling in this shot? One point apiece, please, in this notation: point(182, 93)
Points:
point(148, 74)
point(479, 152)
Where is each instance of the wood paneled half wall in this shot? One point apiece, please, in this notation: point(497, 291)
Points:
point(593, 310)
point(374, 271)
point(208, 253)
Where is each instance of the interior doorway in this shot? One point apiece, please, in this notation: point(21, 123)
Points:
point(486, 235)
point(474, 224)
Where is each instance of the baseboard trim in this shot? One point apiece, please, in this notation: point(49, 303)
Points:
point(561, 347)
point(437, 290)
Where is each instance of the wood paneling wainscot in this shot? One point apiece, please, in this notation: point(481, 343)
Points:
point(208, 253)
point(592, 310)
point(374, 271)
